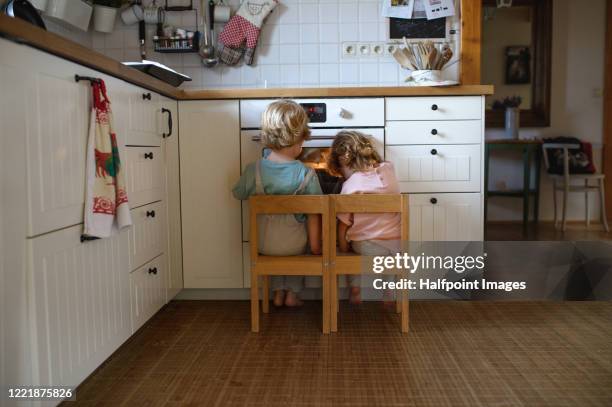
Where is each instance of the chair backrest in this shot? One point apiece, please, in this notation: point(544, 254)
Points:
point(368, 203)
point(288, 204)
point(556, 146)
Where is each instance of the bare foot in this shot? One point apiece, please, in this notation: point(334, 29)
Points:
point(355, 295)
point(279, 298)
point(292, 300)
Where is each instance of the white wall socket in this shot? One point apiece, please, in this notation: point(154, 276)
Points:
point(349, 49)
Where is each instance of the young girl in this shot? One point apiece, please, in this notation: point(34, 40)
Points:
point(284, 127)
point(354, 157)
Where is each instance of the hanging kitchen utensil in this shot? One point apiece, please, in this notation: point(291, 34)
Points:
point(207, 50)
point(24, 10)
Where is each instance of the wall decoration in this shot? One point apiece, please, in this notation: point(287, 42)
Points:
point(518, 65)
point(419, 28)
point(397, 8)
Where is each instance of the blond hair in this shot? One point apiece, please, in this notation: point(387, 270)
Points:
point(353, 150)
point(284, 124)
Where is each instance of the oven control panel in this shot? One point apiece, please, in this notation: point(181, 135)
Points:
point(317, 112)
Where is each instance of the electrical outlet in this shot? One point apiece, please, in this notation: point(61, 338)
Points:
point(378, 49)
point(364, 50)
point(390, 48)
point(349, 49)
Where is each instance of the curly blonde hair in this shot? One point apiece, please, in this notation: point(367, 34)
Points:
point(284, 124)
point(353, 150)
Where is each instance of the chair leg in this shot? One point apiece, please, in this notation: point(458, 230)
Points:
point(326, 302)
point(254, 302)
point(333, 300)
point(587, 210)
point(405, 316)
point(265, 295)
point(564, 215)
point(555, 202)
point(602, 202)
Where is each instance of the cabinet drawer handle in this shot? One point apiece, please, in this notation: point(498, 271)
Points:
point(433, 201)
point(434, 151)
point(146, 96)
point(150, 214)
point(434, 107)
point(166, 135)
point(153, 270)
point(434, 132)
point(148, 155)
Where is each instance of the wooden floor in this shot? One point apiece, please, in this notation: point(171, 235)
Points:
point(544, 231)
point(201, 353)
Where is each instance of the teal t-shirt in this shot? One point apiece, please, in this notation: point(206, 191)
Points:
point(277, 179)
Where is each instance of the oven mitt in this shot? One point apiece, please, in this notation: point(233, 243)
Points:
point(243, 27)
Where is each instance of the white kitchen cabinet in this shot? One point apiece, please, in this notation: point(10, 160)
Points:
point(174, 249)
point(437, 168)
point(148, 291)
point(144, 123)
point(144, 175)
point(80, 303)
point(210, 165)
point(434, 108)
point(445, 217)
point(147, 233)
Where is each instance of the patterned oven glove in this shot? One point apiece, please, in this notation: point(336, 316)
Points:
point(245, 25)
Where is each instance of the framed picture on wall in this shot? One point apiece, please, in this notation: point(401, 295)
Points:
point(518, 65)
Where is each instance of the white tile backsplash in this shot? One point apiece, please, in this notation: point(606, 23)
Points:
point(299, 45)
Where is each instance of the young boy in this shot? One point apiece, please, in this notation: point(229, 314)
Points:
point(284, 128)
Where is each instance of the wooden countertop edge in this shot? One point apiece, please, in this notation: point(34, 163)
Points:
point(459, 90)
point(23, 32)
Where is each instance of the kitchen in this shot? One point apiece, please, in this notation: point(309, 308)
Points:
point(158, 313)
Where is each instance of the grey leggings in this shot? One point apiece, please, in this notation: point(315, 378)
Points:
point(372, 248)
point(289, 283)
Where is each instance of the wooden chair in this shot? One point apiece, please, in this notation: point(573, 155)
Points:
point(305, 265)
point(568, 183)
point(351, 264)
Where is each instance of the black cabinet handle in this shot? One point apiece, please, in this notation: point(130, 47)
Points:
point(153, 270)
point(434, 107)
point(148, 155)
point(434, 151)
point(434, 132)
point(164, 110)
point(433, 201)
point(146, 96)
point(150, 214)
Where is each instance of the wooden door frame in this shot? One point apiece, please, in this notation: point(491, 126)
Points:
point(471, 33)
point(607, 111)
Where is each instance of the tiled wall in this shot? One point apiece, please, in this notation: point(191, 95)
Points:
point(300, 45)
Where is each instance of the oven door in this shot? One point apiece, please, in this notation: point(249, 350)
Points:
point(252, 150)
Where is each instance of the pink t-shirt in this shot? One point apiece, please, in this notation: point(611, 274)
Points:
point(370, 226)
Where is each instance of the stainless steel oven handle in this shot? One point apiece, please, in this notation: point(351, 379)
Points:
point(258, 138)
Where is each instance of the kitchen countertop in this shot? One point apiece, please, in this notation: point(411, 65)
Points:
point(25, 33)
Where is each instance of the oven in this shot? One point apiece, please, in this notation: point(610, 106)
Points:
point(327, 118)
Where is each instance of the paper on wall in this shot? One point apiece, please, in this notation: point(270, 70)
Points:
point(397, 8)
point(438, 8)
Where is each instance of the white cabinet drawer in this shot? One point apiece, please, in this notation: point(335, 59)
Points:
point(144, 118)
point(146, 236)
point(435, 108)
point(434, 132)
point(144, 175)
point(148, 291)
point(81, 303)
point(445, 217)
point(436, 168)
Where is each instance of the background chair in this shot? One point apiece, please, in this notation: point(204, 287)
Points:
point(303, 265)
point(569, 183)
point(352, 263)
